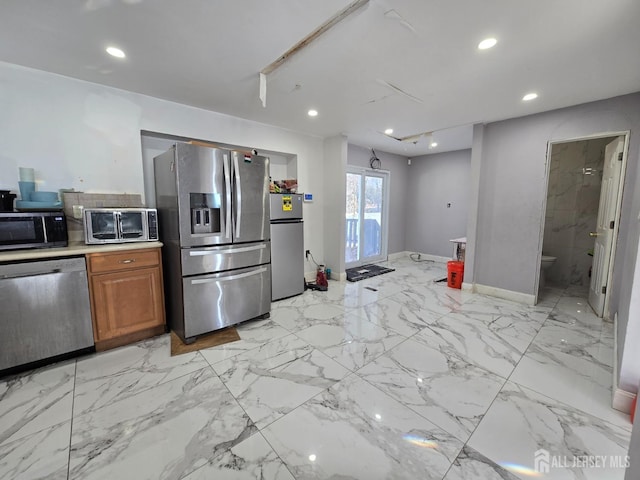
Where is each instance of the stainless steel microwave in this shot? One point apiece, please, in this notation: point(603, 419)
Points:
point(32, 230)
point(120, 225)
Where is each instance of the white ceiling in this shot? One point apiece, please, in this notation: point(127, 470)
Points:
point(207, 53)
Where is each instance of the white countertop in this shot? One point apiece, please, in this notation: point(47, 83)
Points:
point(459, 240)
point(73, 249)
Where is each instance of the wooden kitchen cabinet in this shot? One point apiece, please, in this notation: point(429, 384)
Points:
point(127, 299)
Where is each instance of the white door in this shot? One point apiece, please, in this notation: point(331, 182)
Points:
point(606, 217)
point(366, 216)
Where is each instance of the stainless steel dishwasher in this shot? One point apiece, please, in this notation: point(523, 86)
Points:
point(44, 310)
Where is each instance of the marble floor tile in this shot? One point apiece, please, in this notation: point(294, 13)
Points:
point(165, 432)
point(43, 455)
point(405, 318)
point(299, 318)
point(353, 342)
point(427, 298)
point(474, 342)
point(520, 422)
point(355, 431)
point(578, 307)
point(308, 297)
point(483, 306)
point(253, 334)
point(582, 320)
point(275, 378)
point(36, 400)
point(573, 380)
point(584, 343)
point(251, 459)
point(349, 295)
point(607, 333)
point(448, 391)
point(125, 371)
point(385, 284)
point(386, 378)
point(471, 464)
point(576, 291)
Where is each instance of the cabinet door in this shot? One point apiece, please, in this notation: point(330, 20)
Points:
point(127, 301)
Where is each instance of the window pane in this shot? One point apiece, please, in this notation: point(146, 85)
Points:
point(352, 226)
point(372, 216)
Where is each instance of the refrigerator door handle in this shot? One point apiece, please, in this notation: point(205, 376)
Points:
point(229, 278)
point(199, 253)
point(227, 182)
point(236, 172)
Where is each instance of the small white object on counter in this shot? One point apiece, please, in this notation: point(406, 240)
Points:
point(459, 247)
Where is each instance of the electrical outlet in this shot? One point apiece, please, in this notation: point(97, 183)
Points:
point(307, 253)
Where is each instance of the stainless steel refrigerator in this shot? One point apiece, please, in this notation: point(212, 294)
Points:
point(213, 209)
point(287, 245)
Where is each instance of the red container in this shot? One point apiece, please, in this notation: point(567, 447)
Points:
point(455, 272)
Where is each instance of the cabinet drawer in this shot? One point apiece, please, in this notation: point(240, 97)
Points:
point(110, 262)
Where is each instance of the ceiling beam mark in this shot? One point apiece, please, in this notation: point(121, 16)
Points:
point(399, 91)
point(338, 17)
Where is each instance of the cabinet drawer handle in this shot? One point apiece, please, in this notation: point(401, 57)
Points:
point(128, 261)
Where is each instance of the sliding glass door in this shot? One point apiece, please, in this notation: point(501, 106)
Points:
point(366, 216)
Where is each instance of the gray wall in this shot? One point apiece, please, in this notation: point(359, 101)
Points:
point(435, 181)
point(334, 192)
point(512, 188)
point(399, 174)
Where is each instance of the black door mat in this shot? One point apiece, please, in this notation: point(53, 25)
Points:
point(366, 271)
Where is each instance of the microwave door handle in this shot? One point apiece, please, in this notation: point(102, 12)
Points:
point(118, 222)
point(227, 183)
point(44, 230)
point(236, 172)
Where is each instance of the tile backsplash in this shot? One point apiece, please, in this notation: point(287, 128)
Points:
point(93, 200)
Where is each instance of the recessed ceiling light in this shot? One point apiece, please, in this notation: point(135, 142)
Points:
point(530, 96)
point(388, 131)
point(487, 43)
point(434, 144)
point(312, 113)
point(115, 52)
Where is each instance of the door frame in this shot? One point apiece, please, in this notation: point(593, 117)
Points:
point(616, 227)
point(384, 241)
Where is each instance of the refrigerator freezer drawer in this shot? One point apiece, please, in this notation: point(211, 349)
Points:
point(218, 300)
point(287, 259)
point(196, 261)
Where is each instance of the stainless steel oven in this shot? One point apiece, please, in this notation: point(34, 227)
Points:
point(120, 225)
point(32, 230)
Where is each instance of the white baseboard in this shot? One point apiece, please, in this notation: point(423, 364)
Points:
point(505, 294)
point(622, 400)
point(614, 379)
point(397, 255)
point(433, 258)
point(467, 287)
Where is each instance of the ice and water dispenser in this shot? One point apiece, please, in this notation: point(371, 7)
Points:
point(205, 213)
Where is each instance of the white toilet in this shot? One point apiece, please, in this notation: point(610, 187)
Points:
point(545, 264)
